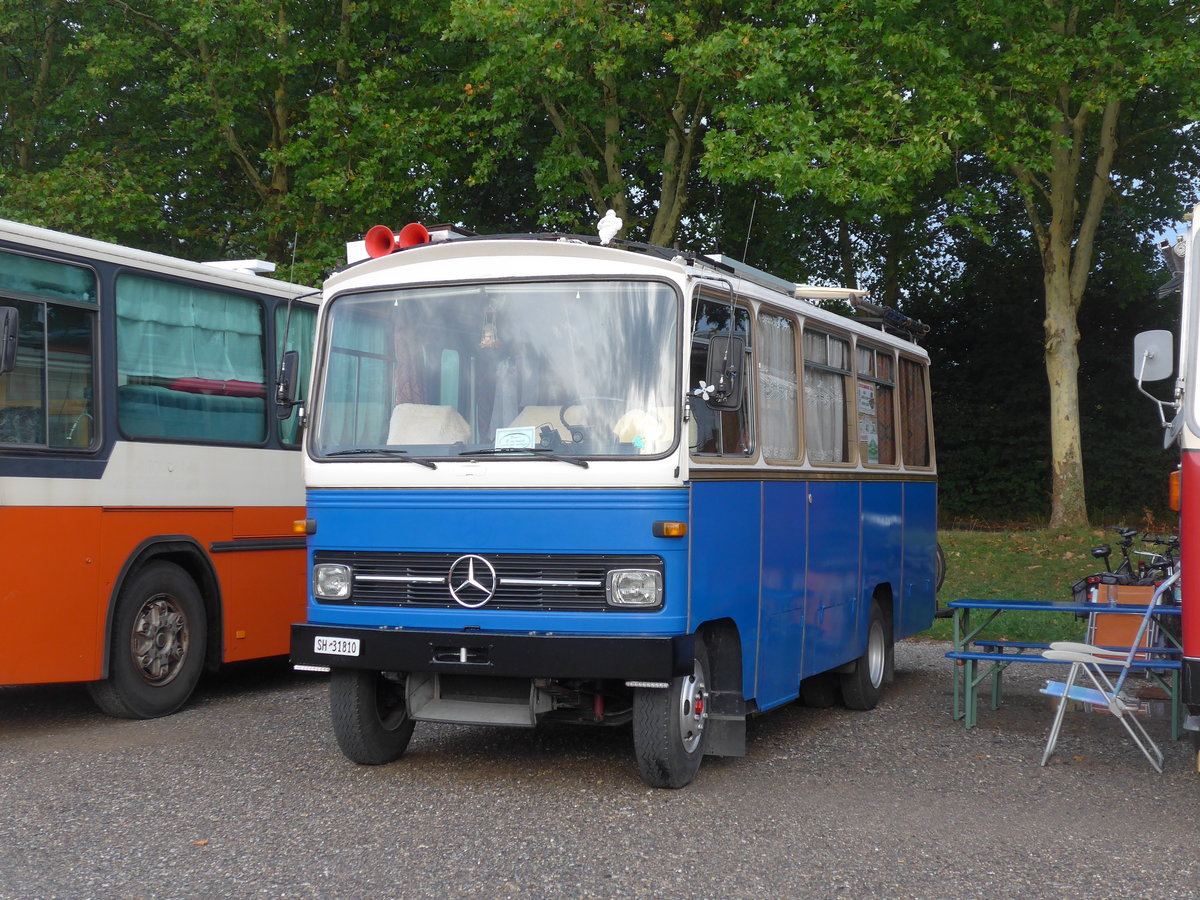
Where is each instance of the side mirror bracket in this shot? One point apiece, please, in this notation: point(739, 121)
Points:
point(10, 327)
point(286, 387)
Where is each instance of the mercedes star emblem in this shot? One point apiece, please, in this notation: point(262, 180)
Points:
point(472, 580)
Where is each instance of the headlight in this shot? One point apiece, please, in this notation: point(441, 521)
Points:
point(331, 582)
point(634, 587)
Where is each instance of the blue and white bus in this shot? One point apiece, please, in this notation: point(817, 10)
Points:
point(554, 479)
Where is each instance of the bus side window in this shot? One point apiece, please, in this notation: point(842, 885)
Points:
point(777, 387)
point(190, 363)
point(300, 334)
point(914, 419)
point(826, 373)
point(876, 391)
point(715, 432)
point(47, 399)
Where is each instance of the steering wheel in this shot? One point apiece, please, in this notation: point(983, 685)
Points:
point(576, 435)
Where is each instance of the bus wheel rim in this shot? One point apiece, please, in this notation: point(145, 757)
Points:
point(876, 654)
point(693, 709)
point(159, 640)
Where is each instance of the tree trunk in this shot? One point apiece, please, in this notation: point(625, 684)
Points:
point(1067, 248)
point(1068, 507)
point(846, 253)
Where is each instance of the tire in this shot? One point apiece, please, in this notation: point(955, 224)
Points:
point(159, 637)
point(862, 688)
point(939, 568)
point(370, 718)
point(669, 726)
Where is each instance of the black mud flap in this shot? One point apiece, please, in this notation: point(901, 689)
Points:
point(726, 724)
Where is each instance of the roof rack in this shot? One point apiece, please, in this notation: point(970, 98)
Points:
point(885, 318)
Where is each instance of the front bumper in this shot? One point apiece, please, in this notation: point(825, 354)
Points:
point(510, 655)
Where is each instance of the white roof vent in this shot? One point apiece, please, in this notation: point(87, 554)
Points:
point(245, 266)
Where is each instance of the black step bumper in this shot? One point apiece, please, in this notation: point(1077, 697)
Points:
point(509, 655)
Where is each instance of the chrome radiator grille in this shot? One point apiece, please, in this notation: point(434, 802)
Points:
point(524, 581)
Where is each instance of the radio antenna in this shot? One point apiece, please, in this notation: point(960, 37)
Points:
point(749, 227)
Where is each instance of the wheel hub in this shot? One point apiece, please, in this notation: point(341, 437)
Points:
point(159, 641)
point(876, 654)
point(693, 709)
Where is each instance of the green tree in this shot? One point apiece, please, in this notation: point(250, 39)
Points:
point(222, 127)
point(863, 103)
point(65, 138)
point(1078, 100)
point(625, 103)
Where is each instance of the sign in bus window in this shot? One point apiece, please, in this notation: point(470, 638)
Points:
point(876, 406)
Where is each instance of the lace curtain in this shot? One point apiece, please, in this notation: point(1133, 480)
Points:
point(777, 387)
point(825, 397)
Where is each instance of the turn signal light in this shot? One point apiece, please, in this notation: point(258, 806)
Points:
point(670, 529)
point(304, 526)
point(1173, 490)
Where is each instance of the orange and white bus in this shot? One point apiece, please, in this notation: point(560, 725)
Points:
point(147, 487)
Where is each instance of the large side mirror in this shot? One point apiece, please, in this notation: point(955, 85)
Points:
point(724, 370)
point(1153, 356)
point(9, 327)
point(1154, 360)
point(287, 388)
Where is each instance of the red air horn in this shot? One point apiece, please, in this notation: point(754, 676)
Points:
point(381, 240)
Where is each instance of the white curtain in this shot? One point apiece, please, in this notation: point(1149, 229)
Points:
point(777, 386)
point(825, 397)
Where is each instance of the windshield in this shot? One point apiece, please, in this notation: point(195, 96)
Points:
point(505, 371)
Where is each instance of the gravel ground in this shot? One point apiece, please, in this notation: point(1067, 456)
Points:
point(245, 794)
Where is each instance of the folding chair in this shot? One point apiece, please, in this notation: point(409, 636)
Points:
point(1092, 661)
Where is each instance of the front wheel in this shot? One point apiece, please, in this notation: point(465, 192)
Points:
point(158, 641)
point(670, 726)
point(370, 718)
point(862, 688)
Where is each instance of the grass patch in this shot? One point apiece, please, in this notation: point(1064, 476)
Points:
point(1019, 565)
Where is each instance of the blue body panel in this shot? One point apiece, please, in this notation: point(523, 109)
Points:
point(726, 543)
point(792, 564)
point(785, 550)
point(795, 565)
point(915, 610)
point(505, 521)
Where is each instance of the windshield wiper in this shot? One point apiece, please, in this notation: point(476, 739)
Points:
point(384, 451)
point(538, 452)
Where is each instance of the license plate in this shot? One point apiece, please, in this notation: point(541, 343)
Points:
point(336, 646)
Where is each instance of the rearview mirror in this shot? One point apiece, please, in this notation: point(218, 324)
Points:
point(724, 371)
point(1153, 356)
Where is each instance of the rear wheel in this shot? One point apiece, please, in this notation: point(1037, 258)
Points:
point(862, 688)
point(158, 640)
point(370, 718)
point(670, 726)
